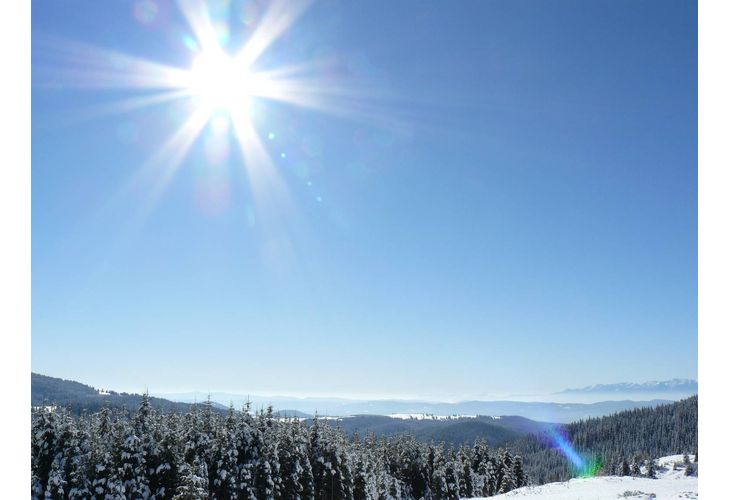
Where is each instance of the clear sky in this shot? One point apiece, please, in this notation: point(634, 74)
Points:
point(456, 199)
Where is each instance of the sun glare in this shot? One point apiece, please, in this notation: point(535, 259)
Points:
point(222, 86)
point(219, 82)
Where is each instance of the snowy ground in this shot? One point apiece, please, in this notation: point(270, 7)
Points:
point(670, 484)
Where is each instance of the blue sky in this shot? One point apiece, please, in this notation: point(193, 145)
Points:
point(507, 205)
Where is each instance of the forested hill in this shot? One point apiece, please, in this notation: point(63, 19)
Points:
point(451, 431)
point(613, 443)
point(79, 398)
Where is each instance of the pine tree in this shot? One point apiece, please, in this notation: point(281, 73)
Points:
point(290, 467)
point(43, 447)
point(263, 480)
point(132, 464)
point(226, 468)
point(101, 459)
point(505, 472)
point(451, 476)
point(168, 460)
point(65, 443)
point(78, 456)
point(364, 485)
point(466, 483)
point(193, 485)
point(518, 472)
point(635, 469)
point(625, 469)
point(56, 485)
point(650, 470)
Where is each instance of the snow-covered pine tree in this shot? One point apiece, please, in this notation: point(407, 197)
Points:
point(452, 475)
point(364, 483)
point(302, 454)
point(132, 464)
point(506, 480)
point(43, 448)
point(289, 466)
point(635, 467)
point(248, 444)
point(625, 468)
point(263, 480)
point(518, 472)
point(483, 481)
point(466, 477)
point(650, 468)
point(193, 484)
point(224, 484)
point(79, 466)
point(56, 485)
point(101, 460)
point(169, 458)
point(65, 443)
point(317, 459)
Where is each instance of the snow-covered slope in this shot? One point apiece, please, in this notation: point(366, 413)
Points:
point(670, 484)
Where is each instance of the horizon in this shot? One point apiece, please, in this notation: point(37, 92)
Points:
point(379, 216)
point(560, 397)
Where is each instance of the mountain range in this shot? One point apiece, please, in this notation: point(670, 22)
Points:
point(540, 411)
point(673, 386)
point(80, 397)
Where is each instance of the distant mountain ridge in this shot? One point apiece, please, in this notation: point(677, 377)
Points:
point(454, 431)
point(676, 385)
point(539, 411)
point(79, 398)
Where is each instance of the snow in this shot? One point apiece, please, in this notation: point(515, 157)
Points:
point(48, 408)
point(670, 484)
point(429, 416)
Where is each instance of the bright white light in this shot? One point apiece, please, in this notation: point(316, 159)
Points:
point(219, 82)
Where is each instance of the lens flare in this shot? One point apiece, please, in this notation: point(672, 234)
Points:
point(146, 11)
point(583, 466)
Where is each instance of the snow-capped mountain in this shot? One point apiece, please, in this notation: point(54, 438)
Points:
point(676, 385)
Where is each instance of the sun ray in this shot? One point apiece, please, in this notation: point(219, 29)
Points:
point(155, 174)
point(267, 187)
point(354, 104)
point(129, 105)
point(197, 15)
point(294, 69)
point(278, 18)
point(86, 66)
point(271, 200)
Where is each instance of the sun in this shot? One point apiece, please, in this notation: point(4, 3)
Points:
point(219, 82)
point(222, 94)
